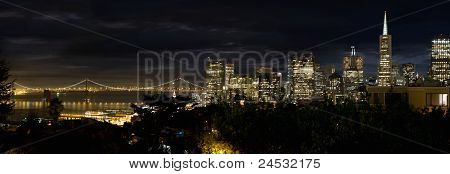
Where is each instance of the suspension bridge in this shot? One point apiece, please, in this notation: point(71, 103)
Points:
point(178, 85)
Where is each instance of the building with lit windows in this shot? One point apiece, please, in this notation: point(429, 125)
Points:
point(243, 88)
point(229, 73)
point(417, 97)
point(409, 73)
point(302, 77)
point(397, 75)
point(320, 82)
point(335, 86)
point(277, 83)
point(215, 79)
point(353, 74)
point(269, 85)
point(440, 58)
point(385, 67)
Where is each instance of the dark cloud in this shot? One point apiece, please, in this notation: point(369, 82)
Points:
point(10, 14)
point(41, 48)
point(117, 25)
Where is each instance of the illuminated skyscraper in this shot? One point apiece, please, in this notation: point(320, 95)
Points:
point(215, 79)
point(397, 75)
point(229, 73)
point(243, 87)
point(385, 68)
point(277, 83)
point(440, 58)
point(269, 85)
point(409, 72)
point(302, 78)
point(335, 88)
point(320, 81)
point(353, 72)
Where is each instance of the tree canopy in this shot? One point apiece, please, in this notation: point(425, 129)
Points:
point(6, 91)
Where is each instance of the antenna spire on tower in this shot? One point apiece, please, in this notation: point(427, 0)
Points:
point(385, 26)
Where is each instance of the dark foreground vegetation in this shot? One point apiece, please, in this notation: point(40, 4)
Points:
point(327, 128)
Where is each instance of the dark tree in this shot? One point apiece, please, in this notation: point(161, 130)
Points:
point(6, 91)
point(55, 108)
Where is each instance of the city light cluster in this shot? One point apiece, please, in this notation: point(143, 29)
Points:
point(307, 81)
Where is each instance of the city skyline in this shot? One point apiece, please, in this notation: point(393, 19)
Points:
point(231, 77)
point(100, 60)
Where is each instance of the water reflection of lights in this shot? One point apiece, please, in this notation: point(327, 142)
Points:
point(77, 106)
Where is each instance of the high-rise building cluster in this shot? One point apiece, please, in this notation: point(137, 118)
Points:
point(308, 81)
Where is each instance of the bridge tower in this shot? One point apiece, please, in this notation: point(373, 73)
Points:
point(86, 85)
point(86, 90)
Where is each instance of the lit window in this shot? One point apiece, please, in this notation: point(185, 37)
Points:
point(437, 99)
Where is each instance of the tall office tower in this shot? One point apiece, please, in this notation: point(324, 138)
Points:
point(264, 75)
point(277, 83)
point(409, 73)
point(335, 88)
point(440, 58)
point(320, 81)
point(229, 73)
point(397, 75)
point(353, 72)
point(302, 80)
point(385, 68)
point(269, 85)
point(215, 79)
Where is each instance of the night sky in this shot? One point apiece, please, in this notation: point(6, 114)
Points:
point(44, 52)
